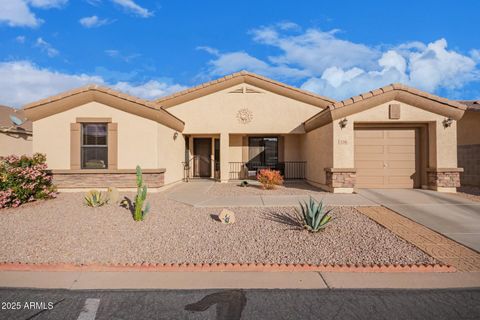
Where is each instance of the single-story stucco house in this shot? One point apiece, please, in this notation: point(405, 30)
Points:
point(227, 129)
point(468, 134)
point(14, 138)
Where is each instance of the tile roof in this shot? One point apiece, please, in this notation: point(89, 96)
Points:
point(472, 105)
point(399, 87)
point(244, 74)
point(91, 87)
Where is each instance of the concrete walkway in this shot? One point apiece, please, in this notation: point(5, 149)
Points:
point(452, 216)
point(195, 193)
point(231, 280)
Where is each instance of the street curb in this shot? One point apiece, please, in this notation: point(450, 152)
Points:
point(226, 267)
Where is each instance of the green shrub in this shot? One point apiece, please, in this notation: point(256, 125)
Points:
point(95, 198)
point(24, 179)
point(139, 210)
point(313, 216)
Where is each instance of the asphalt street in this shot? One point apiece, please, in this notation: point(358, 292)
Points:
point(240, 304)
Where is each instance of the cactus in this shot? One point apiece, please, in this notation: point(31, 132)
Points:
point(313, 216)
point(95, 198)
point(113, 195)
point(140, 211)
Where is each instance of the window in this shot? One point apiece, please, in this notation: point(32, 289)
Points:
point(263, 151)
point(94, 146)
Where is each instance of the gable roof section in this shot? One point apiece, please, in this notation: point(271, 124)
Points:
point(76, 97)
point(396, 91)
point(244, 77)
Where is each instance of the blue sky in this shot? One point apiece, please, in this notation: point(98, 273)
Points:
point(153, 48)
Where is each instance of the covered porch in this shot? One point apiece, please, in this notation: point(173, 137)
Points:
point(226, 157)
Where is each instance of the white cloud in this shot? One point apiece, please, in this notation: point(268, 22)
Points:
point(17, 13)
point(149, 90)
point(324, 63)
point(93, 22)
point(22, 82)
point(20, 39)
point(117, 54)
point(46, 47)
point(134, 8)
point(47, 3)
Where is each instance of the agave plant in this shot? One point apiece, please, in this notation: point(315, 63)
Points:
point(95, 198)
point(313, 215)
point(140, 211)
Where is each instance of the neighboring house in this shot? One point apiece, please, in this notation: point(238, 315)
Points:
point(468, 137)
point(14, 139)
point(227, 129)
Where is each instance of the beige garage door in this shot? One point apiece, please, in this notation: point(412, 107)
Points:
point(385, 158)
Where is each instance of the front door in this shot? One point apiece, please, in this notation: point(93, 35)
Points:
point(202, 151)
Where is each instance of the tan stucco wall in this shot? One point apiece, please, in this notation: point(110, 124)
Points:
point(317, 151)
point(217, 112)
point(140, 141)
point(17, 144)
point(293, 148)
point(442, 141)
point(468, 128)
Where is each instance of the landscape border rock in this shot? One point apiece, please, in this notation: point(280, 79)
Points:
point(225, 267)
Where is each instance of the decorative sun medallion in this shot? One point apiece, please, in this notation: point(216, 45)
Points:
point(244, 115)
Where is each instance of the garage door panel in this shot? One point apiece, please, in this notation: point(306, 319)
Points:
point(399, 156)
point(400, 133)
point(366, 150)
point(402, 149)
point(385, 158)
point(369, 134)
point(400, 165)
point(370, 156)
point(369, 142)
point(371, 164)
point(377, 180)
point(400, 181)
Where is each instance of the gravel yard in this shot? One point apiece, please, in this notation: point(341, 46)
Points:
point(471, 193)
point(64, 230)
point(254, 188)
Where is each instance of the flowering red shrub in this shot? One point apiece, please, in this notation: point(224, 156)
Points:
point(269, 178)
point(24, 179)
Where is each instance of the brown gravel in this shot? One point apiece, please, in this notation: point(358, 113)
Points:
point(471, 193)
point(254, 188)
point(64, 230)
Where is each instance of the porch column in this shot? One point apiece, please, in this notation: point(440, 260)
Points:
point(224, 157)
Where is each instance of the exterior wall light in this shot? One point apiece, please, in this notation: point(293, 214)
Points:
point(343, 123)
point(447, 122)
point(175, 135)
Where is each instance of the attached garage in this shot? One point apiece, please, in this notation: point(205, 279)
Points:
point(386, 157)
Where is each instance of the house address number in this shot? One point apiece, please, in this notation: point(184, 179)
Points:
point(342, 141)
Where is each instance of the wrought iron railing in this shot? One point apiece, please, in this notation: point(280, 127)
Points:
point(248, 170)
point(188, 169)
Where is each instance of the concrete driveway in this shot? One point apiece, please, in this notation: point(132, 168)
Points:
point(448, 214)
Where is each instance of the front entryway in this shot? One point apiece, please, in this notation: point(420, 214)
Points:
point(202, 151)
point(387, 158)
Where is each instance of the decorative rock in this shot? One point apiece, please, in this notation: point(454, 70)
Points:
point(113, 195)
point(227, 216)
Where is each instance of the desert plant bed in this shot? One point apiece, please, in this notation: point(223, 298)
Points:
point(65, 230)
point(254, 188)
